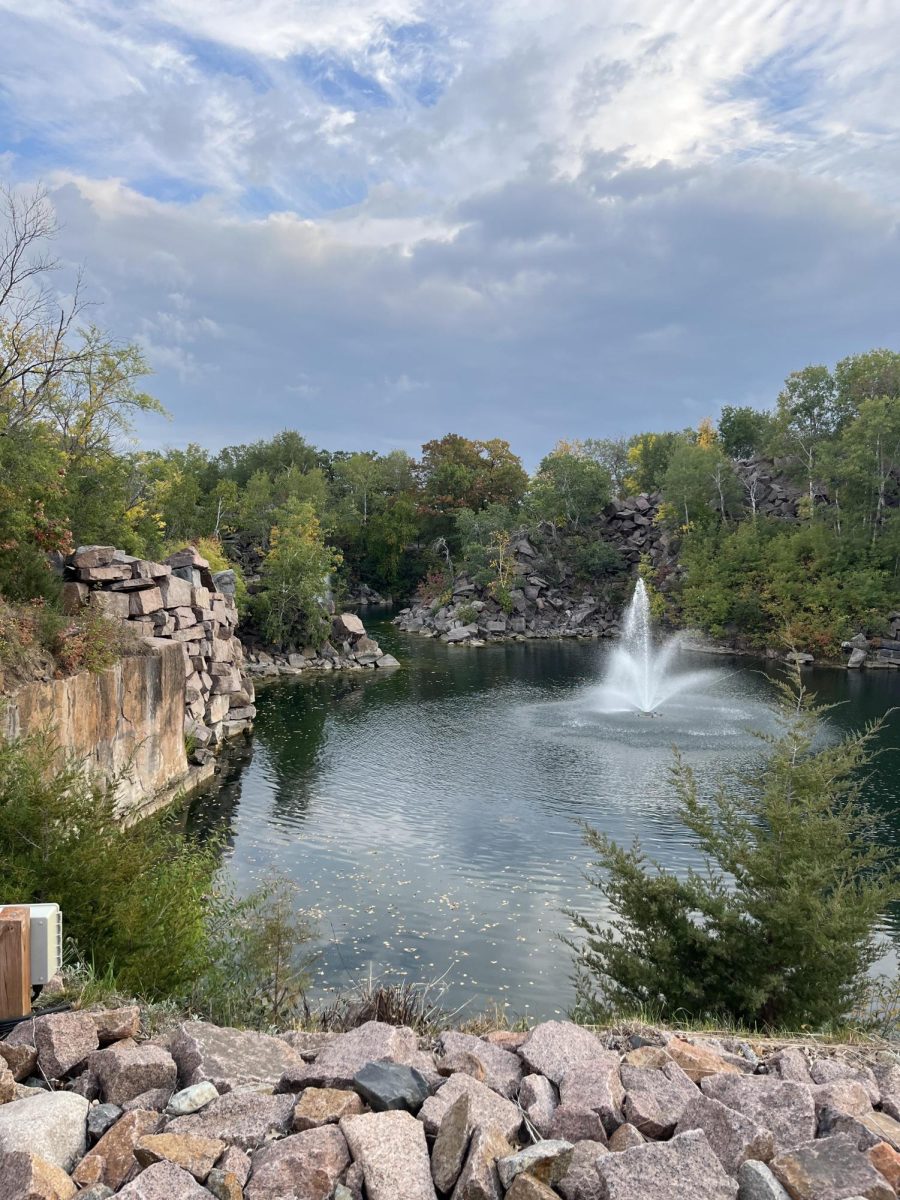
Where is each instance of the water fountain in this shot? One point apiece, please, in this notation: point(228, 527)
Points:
point(640, 676)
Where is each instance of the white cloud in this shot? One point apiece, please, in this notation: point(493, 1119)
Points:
point(467, 209)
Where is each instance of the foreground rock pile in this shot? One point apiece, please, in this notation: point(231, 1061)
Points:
point(349, 649)
point(541, 608)
point(179, 600)
point(374, 1114)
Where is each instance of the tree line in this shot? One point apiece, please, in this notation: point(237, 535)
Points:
point(290, 514)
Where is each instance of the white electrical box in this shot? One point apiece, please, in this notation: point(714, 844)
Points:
point(46, 941)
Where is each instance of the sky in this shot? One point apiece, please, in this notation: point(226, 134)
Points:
point(379, 221)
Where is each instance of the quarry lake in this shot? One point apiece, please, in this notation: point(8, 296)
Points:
point(430, 815)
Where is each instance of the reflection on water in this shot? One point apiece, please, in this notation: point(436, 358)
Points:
point(431, 815)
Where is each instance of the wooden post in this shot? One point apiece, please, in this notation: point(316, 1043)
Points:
point(15, 961)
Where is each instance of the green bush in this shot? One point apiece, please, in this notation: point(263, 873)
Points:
point(467, 613)
point(597, 559)
point(777, 930)
point(140, 903)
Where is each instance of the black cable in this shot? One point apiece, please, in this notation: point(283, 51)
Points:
point(8, 1025)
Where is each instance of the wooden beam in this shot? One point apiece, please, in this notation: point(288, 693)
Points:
point(15, 961)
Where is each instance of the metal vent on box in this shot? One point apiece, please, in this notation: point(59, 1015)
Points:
point(46, 941)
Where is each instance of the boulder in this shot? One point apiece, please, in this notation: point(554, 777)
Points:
point(789, 1064)
point(338, 1062)
point(229, 1058)
point(451, 1144)
point(488, 1109)
point(547, 1161)
point(756, 1182)
point(116, 1024)
point(112, 1160)
point(392, 1151)
point(626, 1137)
point(501, 1070)
point(100, 1118)
point(325, 1106)
point(655, 1099)
point(886, 1160)
point(52, 1125)
point(581, 1181)
point(224, 1185)
point(308, 1045)
point(785, 1108)
point(25, 1176)
point(304, 1166)
point(479, 1179)
point(697, 1061)
point(237, 1163)
point(556, 1047)
point(21, 1060)
point(834, 1070)
point(685, 1166)
point(347, 625)
point(242, 1119)
point(7, 1084)
point(830, 1169)
point(573, 1124)
point(193, 1153)
point(843, 1095)
point(126, 1069)
point(191, 1099)
point(539, 1101)
point(733, 1137)
point(386, 660)
point(526, 1187)
point(597, 1088)
point(164, 1181)
point(385, 1085)
point(63, 1040)
point(156, 1099)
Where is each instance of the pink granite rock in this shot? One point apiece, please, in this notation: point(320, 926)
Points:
point(487, 1108)
point(63, 1040)
point(786, 1108)
point(683, 1167)
point(557, 1047)
point(243, 1119)
point(164, 1181)
point(733, 1137)
point(229, 1058)
point(393, 1153)
point(126, 1069)
point(304, 1166)
point(501, 1070)
point(338, 1062)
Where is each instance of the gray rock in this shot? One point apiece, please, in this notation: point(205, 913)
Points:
point(581, 1181)
point(387, 1086)
point(155, 1100)
point(556, 1047)
point(229, 1058)
point(98, 1192)
point(451, 1144)
point(479, 1178)
point(308, 1045)
point(597, 1088)
point(656, 1098)
point(52, 1126)
point(547, 1161)
point(842, 1095)
point(830, 1169)
point(191, 1099)
point(305, 1166)
point(164, 1181)
point(21, 1060)
point(733, 1137)
point(502, 1070)
point(685, 1166)
point(834, 1070)
point(392, 1151)
point(539, 1100)
point(857, 659)
point(572, 1124)
point(63, 1040)
point(243, 1119)
point(488, 1109)
point(786, 1108)
point(385, 661)
point(101, 1117)
point(789, 1064)
point(338, 1062)
point(126, 1070)
point(756, 1182)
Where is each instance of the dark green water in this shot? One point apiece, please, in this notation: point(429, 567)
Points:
point(430, 815)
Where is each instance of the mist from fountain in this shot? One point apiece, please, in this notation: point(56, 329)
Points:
point(640, 675)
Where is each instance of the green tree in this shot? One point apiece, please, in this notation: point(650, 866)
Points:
point(778, 929)
point(569, 488)
point(744, 431)
point(456, 472)
point(868, 460)
point(700, 485)
point(810, 413)
point(612, 455)
point(648, 459)
point(294, 579)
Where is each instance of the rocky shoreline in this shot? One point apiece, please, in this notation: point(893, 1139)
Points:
point(379, 1113)
point(349, 649)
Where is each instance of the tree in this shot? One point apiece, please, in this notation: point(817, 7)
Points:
point(744, 431)
point(778, 929)
point(294, 579)
point(868, 458)
point(648, 459)
point(810, 413)
point(456, 472)
point(34, 324)
point(700, 483)
point(612, 455)
point(569, 488)
point(862, 377)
